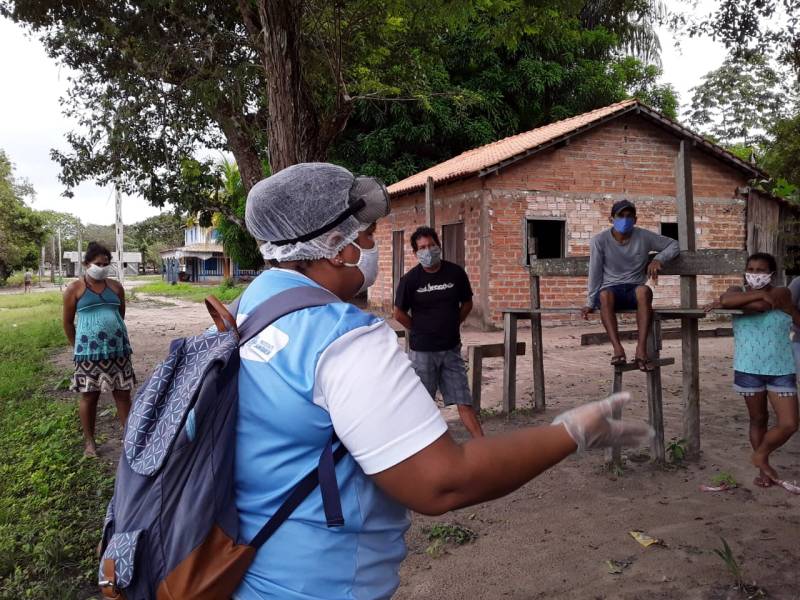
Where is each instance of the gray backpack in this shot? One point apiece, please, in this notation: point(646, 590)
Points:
point(172, 529)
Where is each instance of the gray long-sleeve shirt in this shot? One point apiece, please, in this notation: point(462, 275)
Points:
point(612, 263)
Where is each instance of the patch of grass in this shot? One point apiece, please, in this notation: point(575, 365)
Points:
point(194, 292)
point(724, 478)
point(451, 533)
point(726, 554)
point(52, 500)
point(29, 300)
point(677, 451)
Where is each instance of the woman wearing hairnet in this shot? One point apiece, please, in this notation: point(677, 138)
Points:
point(335, 370)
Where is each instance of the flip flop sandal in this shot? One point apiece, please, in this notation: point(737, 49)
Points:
point(645, 365)
point(618, 360)
point(790, 487)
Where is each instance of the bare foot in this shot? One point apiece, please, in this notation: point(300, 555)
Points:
point(90, 449)
point(763, 481)
point(761, 461)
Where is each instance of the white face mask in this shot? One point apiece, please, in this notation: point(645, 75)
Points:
point(758, 280)
point(97, 272)
point(367, 264)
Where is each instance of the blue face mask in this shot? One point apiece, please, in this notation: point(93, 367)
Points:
point(623, 225)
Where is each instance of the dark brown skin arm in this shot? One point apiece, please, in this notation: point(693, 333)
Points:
point(466, 308)
point(68, 313)
point(445, 475)
point(120, 291)
point(402, 317)
point(753, 299)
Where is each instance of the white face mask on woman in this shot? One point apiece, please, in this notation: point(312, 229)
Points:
point(367, 264)
point(758, 280)
point(97, 272)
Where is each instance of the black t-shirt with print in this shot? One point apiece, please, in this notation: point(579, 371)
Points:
point(434, 301)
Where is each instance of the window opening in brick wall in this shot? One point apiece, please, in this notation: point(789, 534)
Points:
point(546, 238)
point(670, 230)
point(453, 248)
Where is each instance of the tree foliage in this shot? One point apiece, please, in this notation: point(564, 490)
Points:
point(239, 244)
point(557, 70)
point(155, 234)
point(21, 228)
point(159, 81)
point(737, 102)
point(748, 27)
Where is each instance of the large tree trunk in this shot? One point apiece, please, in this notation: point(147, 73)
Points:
point(293, 121)
point(244, 150)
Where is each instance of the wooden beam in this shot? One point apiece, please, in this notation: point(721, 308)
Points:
point(509, 363)
point(497, 350)
point(614, 453)
point(654, 395)
point(475, 355)
point(690, 346)
point(430, 217)
point(674, 333)
point(698, 262)
point(475, 375)
point(537, 347)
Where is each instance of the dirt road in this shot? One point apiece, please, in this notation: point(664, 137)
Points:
point(552, 538)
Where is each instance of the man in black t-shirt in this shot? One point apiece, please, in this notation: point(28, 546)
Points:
point(438, 295)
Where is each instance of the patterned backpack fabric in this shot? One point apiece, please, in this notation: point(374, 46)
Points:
point(171, 528)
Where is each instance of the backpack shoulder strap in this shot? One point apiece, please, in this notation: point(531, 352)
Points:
point(281, 304)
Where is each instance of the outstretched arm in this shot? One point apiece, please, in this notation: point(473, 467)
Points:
point(445, 476)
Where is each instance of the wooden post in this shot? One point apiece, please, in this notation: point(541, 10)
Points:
point(690, 348)
point(509, 362)
point(654, 398)
point(475, 368)
point(430, 217)
point(537, 348)
point(614, 454)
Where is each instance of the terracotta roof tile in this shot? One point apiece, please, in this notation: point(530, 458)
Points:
point(483, 157)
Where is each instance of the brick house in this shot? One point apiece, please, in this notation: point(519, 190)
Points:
point(546, 192)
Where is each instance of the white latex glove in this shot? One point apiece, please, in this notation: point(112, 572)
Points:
point(591, 425)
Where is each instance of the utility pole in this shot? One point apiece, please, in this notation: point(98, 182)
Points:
point(60, 272)
point(41, 267)
point(120, 268)
point(53, 262)
point(79, 264)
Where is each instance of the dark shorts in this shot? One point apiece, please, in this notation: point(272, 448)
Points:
point(443, 371)
point(624, 296)
point(748, 384)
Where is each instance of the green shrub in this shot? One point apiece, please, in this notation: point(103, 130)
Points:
point(17, 279)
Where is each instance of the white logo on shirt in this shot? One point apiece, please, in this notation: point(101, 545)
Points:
point(265, 345)
point(435, 288)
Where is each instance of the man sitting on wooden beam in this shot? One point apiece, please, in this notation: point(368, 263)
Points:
point(618, 271)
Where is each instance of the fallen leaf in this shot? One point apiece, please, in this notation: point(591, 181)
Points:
point(644, 539)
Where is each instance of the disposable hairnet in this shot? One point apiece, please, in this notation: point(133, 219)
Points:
point(296, 201)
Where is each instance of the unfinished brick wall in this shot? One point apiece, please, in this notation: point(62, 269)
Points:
point(625, 158)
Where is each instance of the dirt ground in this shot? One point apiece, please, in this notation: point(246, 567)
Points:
point(552, 538)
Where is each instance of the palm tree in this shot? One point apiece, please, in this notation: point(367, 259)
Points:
point(633, 21)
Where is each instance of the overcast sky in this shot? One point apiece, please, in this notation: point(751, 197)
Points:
point(31, 122)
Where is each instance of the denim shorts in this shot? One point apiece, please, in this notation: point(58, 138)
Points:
point(443, 371)
point(624, 296)
point(748, 384)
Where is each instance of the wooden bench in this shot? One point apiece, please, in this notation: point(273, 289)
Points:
point(511, 316)
point(475, 355)
point(673, 333)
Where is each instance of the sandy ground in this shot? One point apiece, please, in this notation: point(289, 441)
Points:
point(552, 537)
